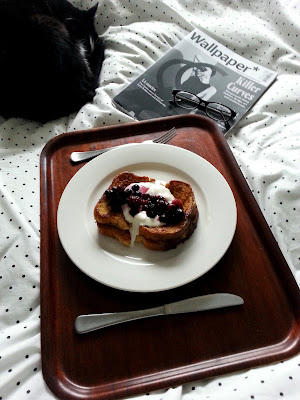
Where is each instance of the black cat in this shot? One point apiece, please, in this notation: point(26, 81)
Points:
point(50, 58)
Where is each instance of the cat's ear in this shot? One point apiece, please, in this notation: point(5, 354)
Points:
point(92, 11)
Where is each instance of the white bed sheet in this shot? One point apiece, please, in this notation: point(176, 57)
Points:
point(266, 144)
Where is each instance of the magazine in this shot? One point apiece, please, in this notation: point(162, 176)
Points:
point(197, 76)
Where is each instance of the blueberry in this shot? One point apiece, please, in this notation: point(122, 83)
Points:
point(161, 206)
point(178, 215)
point(108, 193)
point(163, 218)
point(151, 213)
point(175, 215)
point(135, 188)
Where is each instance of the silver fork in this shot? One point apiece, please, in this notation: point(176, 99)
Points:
point(78, 156)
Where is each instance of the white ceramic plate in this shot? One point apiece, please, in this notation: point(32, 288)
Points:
point(139, 269)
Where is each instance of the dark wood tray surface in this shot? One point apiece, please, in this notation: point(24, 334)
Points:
point(141, 356)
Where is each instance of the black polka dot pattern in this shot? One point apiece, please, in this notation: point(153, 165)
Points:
point(266, 144)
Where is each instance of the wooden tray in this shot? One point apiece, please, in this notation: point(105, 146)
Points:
point(141, 356)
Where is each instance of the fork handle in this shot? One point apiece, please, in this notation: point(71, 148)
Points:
point(78, 156)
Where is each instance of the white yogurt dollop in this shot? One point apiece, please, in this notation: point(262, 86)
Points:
point(156, 188)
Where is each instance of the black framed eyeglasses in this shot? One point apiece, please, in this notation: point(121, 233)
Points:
point(213, 110)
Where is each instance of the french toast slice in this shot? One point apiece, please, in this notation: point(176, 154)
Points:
point(183, 192)
point(124, 237)
point(113, 223)
point(103, 212)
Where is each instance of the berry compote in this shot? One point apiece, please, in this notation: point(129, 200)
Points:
point(169, 213)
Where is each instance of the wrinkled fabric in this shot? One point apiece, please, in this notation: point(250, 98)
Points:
point(266, 144)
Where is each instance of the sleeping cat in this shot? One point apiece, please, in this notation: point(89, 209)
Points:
point(50, 58)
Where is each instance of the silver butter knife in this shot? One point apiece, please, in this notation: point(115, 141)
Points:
point(91, 322)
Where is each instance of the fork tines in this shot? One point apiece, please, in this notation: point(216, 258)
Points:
point(166, 137)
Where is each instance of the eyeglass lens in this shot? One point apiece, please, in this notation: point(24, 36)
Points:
point(218, 112)
point(186, 100)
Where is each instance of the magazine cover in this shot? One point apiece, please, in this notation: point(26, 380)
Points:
point(198, 75)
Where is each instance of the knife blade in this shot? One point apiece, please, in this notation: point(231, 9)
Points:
point(91, 322)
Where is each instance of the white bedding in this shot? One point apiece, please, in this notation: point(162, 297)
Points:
point(266, 144)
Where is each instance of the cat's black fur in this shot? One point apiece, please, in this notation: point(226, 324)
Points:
point(50, 58)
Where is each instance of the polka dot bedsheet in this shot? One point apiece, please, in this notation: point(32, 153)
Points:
point(266, 144)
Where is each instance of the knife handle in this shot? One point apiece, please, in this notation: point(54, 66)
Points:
point(92, 322)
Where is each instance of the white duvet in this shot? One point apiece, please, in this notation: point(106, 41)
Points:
point(266, 144)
